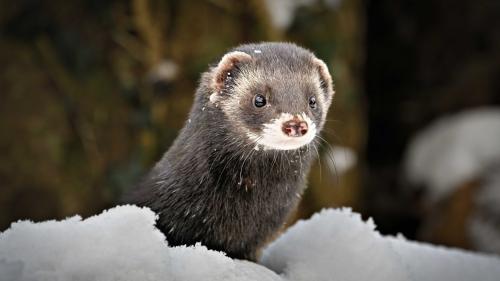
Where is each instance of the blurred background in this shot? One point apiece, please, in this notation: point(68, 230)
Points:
point(93, 92)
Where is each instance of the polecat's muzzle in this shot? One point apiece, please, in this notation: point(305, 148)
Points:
point(295, 127)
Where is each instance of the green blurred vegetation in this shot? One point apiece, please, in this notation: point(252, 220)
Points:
point(93, 92)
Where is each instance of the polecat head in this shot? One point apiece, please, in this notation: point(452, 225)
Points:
point(277, 94)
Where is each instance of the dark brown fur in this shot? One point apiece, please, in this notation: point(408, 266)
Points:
point(212, 186)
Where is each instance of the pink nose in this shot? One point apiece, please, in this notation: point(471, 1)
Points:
point(295, 128)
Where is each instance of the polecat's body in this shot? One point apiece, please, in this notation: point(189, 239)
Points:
point(240, 163)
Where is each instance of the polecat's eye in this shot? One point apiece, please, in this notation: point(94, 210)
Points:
point(259, 101)
point(312, 102)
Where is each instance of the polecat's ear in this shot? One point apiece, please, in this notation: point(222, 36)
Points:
point(325, 79)
point(225, 68)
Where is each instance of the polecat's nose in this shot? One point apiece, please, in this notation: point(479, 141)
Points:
point(295, 128)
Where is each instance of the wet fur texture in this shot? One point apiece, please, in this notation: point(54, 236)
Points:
point(214, 185)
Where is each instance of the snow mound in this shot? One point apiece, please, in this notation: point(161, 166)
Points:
point(338, 245)
point(334, 245)
point(119, 244)
point(454, 150)
point(123, 244)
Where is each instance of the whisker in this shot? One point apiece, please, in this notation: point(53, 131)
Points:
point(319, 162)
point(235, 155)
point(335, 121)
point(333, 134)
point(331, 157)
point(274, 159)
point(243, 165)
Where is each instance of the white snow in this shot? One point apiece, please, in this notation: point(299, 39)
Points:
point(282, 12)
point(338, 245)
point(119, 244)
point(123, 244)
point(334, 245)
point(484, 224)
point(166, 70)
point(454, 150)
point(340, 159)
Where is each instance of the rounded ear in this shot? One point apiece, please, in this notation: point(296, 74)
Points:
point(325, 79)
point(228, 63)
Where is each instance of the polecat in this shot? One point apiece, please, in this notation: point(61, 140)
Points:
point(239, 165)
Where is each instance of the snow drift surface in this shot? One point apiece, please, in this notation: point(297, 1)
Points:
point(454, 150)
point(123, 244)
point(119, 244)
